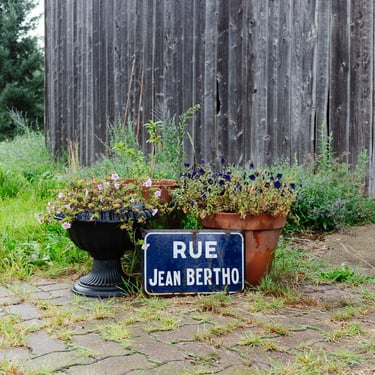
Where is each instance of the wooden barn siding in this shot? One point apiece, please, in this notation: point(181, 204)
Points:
point(266, 73)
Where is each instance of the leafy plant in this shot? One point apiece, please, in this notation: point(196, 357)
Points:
point(344, 274)
point(125, 200)
point(330, 192)
point(204, 191)
point(166, 137)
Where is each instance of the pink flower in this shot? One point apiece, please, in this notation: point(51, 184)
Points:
point(148, 183)
point(157, 193)
point(66, 225)
point(115, 177)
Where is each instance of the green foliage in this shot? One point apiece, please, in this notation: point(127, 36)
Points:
point(345, 274)
point(103, 199)
point(166, 137)
point(233, 189)
point(28, 177)
point(21, 67)
point(330, 193)
point(26, 166)
point(174, 133)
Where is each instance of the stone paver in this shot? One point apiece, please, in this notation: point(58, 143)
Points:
point(41, 343)
point(234, 341)
point(201, 342)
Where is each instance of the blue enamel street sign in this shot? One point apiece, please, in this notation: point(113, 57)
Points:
point(193, 261)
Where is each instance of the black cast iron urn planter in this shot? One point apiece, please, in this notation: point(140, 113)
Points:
point(106, 243)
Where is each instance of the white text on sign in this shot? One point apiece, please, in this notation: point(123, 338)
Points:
point(196, 276)
point(209, 252)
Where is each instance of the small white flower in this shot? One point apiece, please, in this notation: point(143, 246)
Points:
point(86, 193)
point(100, 187)
point(115, 177)
point(157, 193)
point(117, 186)
point(61, 195)
point(68, 206)
point(145, 246)
point(132, 201)
point(66, 225)
point(154, 211)
point(148, 183)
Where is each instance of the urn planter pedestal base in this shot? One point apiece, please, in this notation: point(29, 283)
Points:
point(106, 243)
point(106, 279)
point(261, 235)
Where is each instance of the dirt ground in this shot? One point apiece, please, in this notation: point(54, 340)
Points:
point(353, 247)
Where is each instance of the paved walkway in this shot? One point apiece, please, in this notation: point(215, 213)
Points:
point(330, 329)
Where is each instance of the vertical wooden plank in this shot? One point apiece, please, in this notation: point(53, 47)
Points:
point(226, 95)
point(361, 87)
point(209, 147)
point(371, 187)
point(283, 89)
point(147, 56)
point(339, 91)
point(321, 68)
point(198, 71)
point(236, 87)
point(259, 114)
point(246, 77)
point(302, 61)
point(272, 131)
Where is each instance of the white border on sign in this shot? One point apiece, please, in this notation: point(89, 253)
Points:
point(187, 231)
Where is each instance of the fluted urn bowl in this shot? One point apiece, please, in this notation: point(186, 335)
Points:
point(106, 243)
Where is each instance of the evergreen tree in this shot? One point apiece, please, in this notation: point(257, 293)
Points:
point(21, 67)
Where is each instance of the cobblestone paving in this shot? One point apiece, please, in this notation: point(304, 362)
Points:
point(61, 333)
point(328, 329)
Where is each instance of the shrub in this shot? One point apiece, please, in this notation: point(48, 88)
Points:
point(330, 193)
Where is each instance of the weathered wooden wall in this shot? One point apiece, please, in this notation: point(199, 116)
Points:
point(267, 73)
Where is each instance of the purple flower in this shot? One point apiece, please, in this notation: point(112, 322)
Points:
point(115, 177)
point(278, 176)
point(252, 177)
point(251, 166)
point(277, 184)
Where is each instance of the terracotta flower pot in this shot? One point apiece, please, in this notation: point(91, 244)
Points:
point(165, 185)
point(261, 236)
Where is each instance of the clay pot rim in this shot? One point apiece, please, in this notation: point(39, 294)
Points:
point(230, 220)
